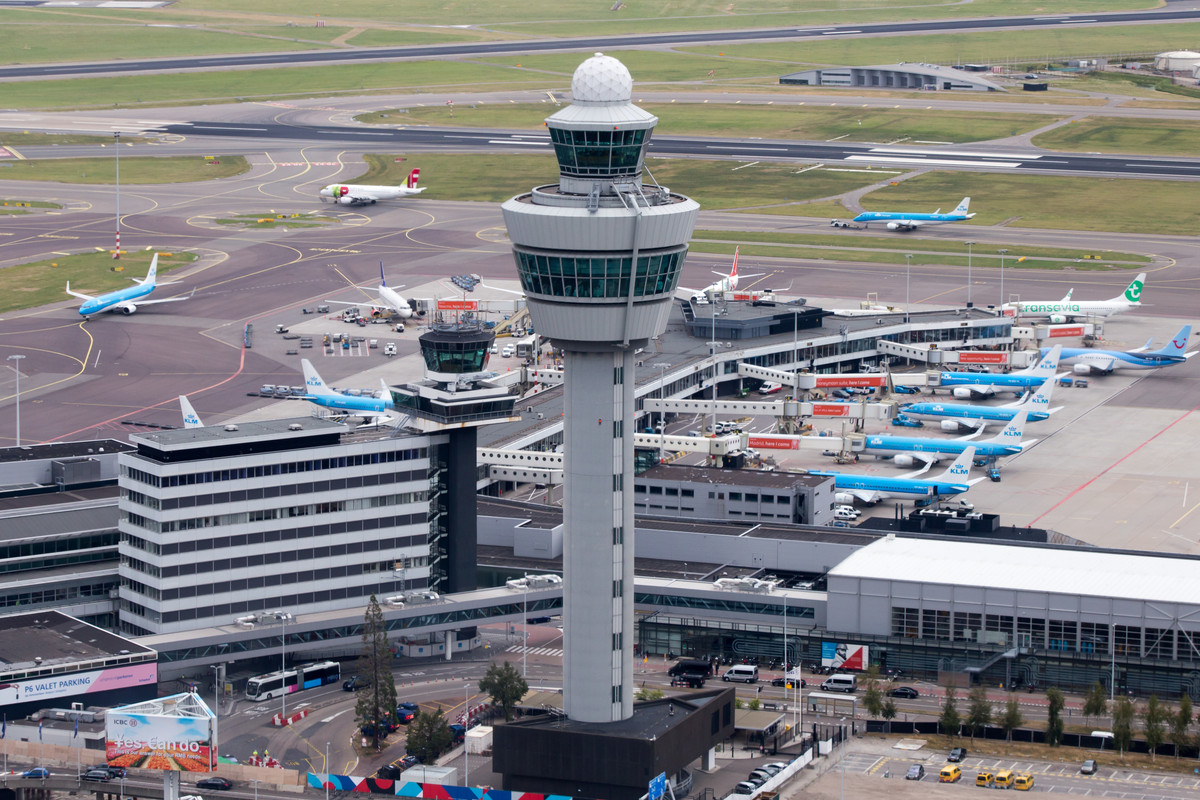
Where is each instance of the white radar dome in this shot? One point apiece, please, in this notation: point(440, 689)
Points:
point(602, 79)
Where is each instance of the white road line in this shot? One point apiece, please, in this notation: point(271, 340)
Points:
point(224, 128)
point(936, 161)
point(908, 151)
point(739, 147)
point(835, 33)
point(1160, 166)
point(515, 141)
point(335, 716)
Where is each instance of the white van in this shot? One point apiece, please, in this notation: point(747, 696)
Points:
point(746, 673)
point(846, 512)
point(840, 683)
point(508, 352)
point(770, 387)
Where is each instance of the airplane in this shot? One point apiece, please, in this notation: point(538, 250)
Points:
point(1088, 361)
point(322, 395)
point(361, 195)
point(905, 451)
point(1068, 310)
point(972, 417)
point(975, 385)
point(390, 298)
point(190, 418)
point(123, 299)
point(849, 487)
point(902, 221)
point(728, 283)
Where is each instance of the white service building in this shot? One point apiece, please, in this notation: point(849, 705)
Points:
point(1177, 61)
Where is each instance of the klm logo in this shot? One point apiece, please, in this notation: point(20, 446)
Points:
point(192, 419)
point(875, 441)
point(1012, 433)
point(313, 382)
point(959, 469)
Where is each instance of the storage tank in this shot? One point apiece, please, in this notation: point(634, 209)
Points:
point(1177, 61)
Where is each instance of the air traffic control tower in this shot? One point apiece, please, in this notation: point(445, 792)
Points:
point(599, 255)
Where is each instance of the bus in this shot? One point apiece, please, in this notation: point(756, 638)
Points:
point(305, 676)
point(528, 347)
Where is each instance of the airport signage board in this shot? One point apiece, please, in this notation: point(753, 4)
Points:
point(974, 357)
point(840, 655)
point(79, 683)
point(160, 741)
point(830, 381)
point(458, 305)
point(773, 442)
point(1055, 331)
point(831, 409)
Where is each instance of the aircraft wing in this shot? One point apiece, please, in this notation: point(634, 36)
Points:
point(865, 495)
point(1099, 366)
point(140, 303)
point(80, 295)
point(741, 274)
point(921, 471)
point(971, 435)
point(1189, 355)
point(928, 459)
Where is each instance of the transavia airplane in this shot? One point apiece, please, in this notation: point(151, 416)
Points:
point(1068, 310)
point(1088, 361)
point(870, 489)
point(349, 194)
point(905, 451)
point(976, 385)
point(190, 418)
point(389, 298)
point(728, 283)
point(322, 395)
point(971, 417)
point(901, 221)
point(123, 299)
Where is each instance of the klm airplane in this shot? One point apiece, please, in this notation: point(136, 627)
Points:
point(905, 451)
point(190, 418)
point(1088, 361)
point(971, 417)
point(975, 385)
point(123, 300)
point(870, 489)
point(902, 221)
point(322, 395)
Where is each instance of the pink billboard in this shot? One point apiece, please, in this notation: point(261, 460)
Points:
point(59, 686)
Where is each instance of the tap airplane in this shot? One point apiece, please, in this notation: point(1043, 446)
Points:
point(870, 489)
point(190, 418)
point(975, 385)
point(123, 300)
point(905, 451)
point(389, 298)
point(972, 417)
point(902, 221)
point(322, 395)
point(728, 283)
point(1089, 361)
point(1068, 310)
point(361, 195)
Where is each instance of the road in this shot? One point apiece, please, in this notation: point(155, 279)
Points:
point(592, 43)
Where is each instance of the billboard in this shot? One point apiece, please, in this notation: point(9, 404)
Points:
point(773, 442)
point(982, 357)
point(79, 683)
point(826, 381)
point(831, 410)
point(840, 655)
point(1056, 331)
point(175, 733)
point(458, 305)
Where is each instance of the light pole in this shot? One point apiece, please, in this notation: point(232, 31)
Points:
point(255, 781)
point(17, 369)
point(713, 350)
point(117, 145)
point(662, 395)
point(466, 727)
point(907, 275)
point(525, 625)
point(969, 246)
point(327, 771)
point(1003, 251)
point(842, 730)
point(1112, 678)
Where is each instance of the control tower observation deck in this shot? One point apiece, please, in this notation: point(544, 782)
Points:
point(599, 256)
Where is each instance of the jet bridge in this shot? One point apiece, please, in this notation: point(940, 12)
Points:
point(808, 381)
point(777, 408)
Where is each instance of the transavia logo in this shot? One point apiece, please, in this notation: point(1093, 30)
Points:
point(1054, 308)
point(959, 469)
point(1134, 293)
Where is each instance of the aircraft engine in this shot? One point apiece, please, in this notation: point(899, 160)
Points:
point(1058, 319)
point(904, 461)
point(961, 393)
point(128, 309)
point(843, 498)
point(950, 425)
point(893, 226)
point(1082, 369)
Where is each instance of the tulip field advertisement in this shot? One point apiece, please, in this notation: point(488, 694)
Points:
point(166, 740)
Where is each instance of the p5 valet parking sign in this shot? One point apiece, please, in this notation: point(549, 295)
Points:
point(176, 733)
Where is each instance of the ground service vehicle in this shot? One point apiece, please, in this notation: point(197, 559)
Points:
point(1004, 779)
point(1023, 782)
point(984, 779)
point(305, 676)
point(950, 773)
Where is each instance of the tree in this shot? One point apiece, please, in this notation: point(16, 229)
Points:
point(1095, 704)
point(1011, 719)
point(1123, 724)
point(428, 736)
point(375, 709)
point(979, 710)
point(950, 720)
point(1181, 721)
point(889, 713)
point(873, 698)
point(643, 694)
point(505, 685)
point(1054, 721)
point(1154, 719)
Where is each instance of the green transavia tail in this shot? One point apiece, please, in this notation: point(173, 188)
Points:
point(1134, 293)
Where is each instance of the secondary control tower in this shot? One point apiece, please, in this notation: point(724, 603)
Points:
point(599, 255)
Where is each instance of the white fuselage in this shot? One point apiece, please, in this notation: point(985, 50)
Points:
point(1069, 309)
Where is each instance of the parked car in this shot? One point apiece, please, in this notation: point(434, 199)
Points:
point(760, 773)
point(771, 769)
point(354, 683)
point(906, 692)
point(1089, 767)
point(915, 773)
point(404, 716)
point(756, 780)
point(459, 732)
point(957, 754)
point(389, 772)
point(406, 706)
point(407, 761)
point(745, 787)
point(214, 782)
point(1023, 782)
point(36, 772)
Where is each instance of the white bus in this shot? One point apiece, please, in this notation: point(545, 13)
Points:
point(305, 676)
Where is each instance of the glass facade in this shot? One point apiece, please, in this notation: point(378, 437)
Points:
point(598, 276)
point(599, 152)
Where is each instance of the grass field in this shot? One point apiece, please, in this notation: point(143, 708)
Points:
point(760, 121)
point(269, 220)
point(134, 170)
point(1145, 137)
point(42, 282)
